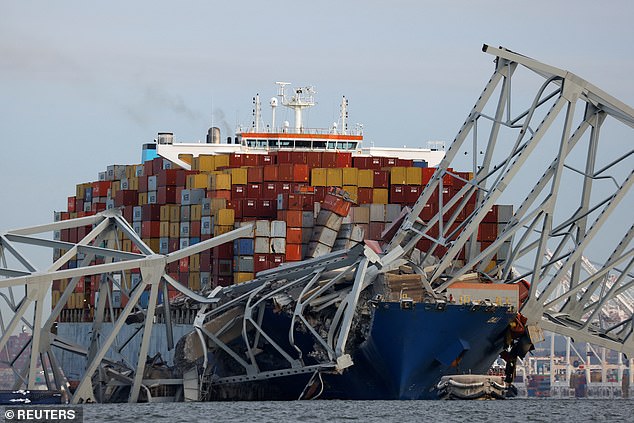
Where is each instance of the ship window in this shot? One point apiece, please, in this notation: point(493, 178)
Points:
point(332, 145)
point(319, 144)
point(302, 144)
point(272, 143)
point(286, 143)
point(251, 142)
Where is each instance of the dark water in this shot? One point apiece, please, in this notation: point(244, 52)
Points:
point(545, 410)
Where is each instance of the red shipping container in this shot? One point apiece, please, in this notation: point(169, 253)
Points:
point(194, 228)
point(126, 198)
point(364, 196)
point(293, 235)
point(448, 179)
point(294, 202)
point(381, 179)
point(404, 162)
point(283, 187)
point(336, 205)
point(255, 175)
point(269, 191)
point(236, 205)
point(320, 194)
point(224, 251)
point(397, 194)
point(276, 259)
point(142, 183)
point(329, 159)
point(271, 173)
point(65, 215)
point(412, 192)
point(157, 165)
point(298, 157)
point(375, 163)
point(151, 212)
point(267, 208)
point(429, 210)
point(313, 159)
point(236, 160)
point(181, 177)
point(291, 217)
point(285, 172)
point(183, 265)
point(344, 159)
point(148, 168)
point(261, 262)
point(167, 177)
point(487, 231)
point(360, 162)
point(268, 159)
point(254, 191)
point(99, 207)
point(284, 157)
point(239, 191)
point(428, 172)
point(226, 194)
point(293, 252)
point(388, 161)
point(71, 204)
point(205, 261)
point(150, 229)
point(251, 160)
point(301, 173)
point(492, 215)
point(250, 208)
point(166, 195)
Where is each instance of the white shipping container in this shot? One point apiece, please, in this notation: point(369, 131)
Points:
point(324, 235)
point(152, 183)
point(278, 245)
point(263, 228)
point(137, 213)
point(278, 229)
point(377, 212)
point(392, 212)
point(308, 219)
point(360, 215)
point(262, 246)
point(357, 234)
point(315, 249)
point(329, 219)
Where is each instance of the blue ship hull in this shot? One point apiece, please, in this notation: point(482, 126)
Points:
point(404, 356)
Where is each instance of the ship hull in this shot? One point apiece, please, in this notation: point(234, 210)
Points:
point(404, 356)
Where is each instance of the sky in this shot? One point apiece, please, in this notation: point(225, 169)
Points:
point(84, 84)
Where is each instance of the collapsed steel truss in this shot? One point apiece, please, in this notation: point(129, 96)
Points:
point(538, 223)
point(533, 228)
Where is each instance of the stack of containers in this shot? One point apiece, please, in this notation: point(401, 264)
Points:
point(285, 193)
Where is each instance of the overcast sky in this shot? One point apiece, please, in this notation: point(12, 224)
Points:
point(85, 84)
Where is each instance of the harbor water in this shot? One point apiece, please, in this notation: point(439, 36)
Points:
point(533, 410)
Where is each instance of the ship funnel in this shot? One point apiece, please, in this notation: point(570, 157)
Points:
point(165, 138)
point(213, 135)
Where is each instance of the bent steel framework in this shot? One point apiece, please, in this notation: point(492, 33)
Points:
point(552, 228)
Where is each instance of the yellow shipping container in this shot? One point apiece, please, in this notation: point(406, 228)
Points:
point(221, 181)
point(194, 263)
point(194, 280)
point(379, 195)
point(226, 217)
point(70, 303)
point(217, 204)
point(142, 198)
point(334, 177)
point(175, 230)
point(79, 300)
point(239, 176)
point(200, 180)
point(366, 178)
point(126, 245)
point(398, 175)
point(164, 228)
point(239, 277)
point(220, 229)
point(153, 243)
point(221, 160)
point(55, 294)
point(165, 213)
point(206, 162)
point(187, 158)
point(350, 176)
point(318, 177)
point(352, 190)
point(414, 176)
point(196, 212)
point(133, 183)
point(175, 213)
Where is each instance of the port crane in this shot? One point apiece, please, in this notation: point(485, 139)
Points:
point(548, 159)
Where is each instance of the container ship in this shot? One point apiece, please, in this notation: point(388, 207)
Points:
point(310, 194)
